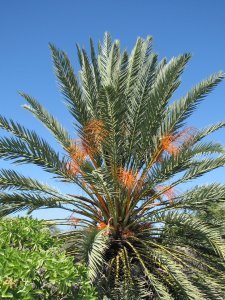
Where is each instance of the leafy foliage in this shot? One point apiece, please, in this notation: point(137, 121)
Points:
point(139, 235)
point(26, 234)
point(33, 266)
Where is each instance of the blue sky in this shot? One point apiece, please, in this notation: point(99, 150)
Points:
point(26, 28)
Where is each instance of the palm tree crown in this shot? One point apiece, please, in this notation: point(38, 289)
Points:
point(139, 235)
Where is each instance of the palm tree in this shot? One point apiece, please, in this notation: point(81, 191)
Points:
point(139, 235)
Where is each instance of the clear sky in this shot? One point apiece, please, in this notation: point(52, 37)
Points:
point(177, 26)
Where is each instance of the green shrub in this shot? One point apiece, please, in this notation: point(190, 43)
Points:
point(26, 233)
point(33, 266)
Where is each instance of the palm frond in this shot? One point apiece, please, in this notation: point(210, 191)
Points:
point(69, 85)
point(96, 255)
point(180, 110)
point(16, 202)
point(40, 154)
point(9, 179)
point(205, 232)
point(61, 135)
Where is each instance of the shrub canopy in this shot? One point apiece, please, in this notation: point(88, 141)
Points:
point(33, 265)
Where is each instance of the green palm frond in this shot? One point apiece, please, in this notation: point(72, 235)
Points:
point(39, 153)
point(200, 194)
point(159, 288)
point(69, 85)
point(208, 130)
point(103, 57)
point(204, 231)
point(96, 255)
point(203, 166)
point(94, 62)
point(16, 202)
point(9, 179)
point(48, 120)
point(180, 110)
point(165, 84)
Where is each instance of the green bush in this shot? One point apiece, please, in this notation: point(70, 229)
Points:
point(26, 233)
point(33, 266)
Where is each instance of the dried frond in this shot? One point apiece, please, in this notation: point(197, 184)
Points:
point(127, 178)
point(168, 191)
point(77, 153)
point(173, 143)
point(74, 220)
point(84, 184)
point(94, 134)
point(73, 168)
point(185, 136)
point(102, 225)
point(168, 146)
